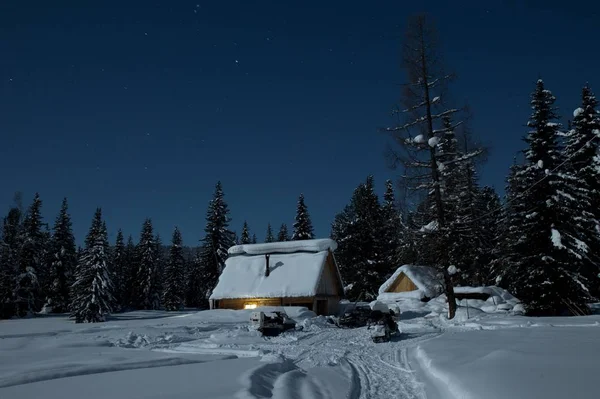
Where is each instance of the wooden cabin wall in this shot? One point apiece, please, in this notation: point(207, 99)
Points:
point(402, 284)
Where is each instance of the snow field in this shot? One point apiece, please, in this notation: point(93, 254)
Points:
point(216, 354)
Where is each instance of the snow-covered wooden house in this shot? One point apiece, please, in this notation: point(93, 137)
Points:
point(292, 273)
point(411, 282)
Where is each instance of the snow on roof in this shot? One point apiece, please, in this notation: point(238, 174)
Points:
point(491, 290)
point(291, 275)
point(424, 277)
point(316, 245)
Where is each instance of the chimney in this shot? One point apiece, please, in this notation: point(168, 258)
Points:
point(267, 270)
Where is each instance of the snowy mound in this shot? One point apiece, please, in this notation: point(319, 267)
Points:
point(317, 245)
point(425, 278)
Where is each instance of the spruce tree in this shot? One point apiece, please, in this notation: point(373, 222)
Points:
point(358, 230)
point(303, 229)
point(489, 226)
point(119, 270)
point(63, 260)
point(161, 261)
point(217, 241)
point(283, 233)
point(548, 253)
point(393, 231)
point(174, 293)
point(31, 260)
point(92, 291)
point(269, 236)
point(583, 167)
point(195, 296)
point(147, 294)
point(10, 245)
point(254, 239)
point(245, 237)
point(130, 272)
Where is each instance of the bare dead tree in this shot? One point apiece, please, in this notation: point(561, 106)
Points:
point(420, 128)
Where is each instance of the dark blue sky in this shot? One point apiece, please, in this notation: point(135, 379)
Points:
point(140, 107)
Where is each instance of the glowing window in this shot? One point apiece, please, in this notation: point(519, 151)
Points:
point(250, 306)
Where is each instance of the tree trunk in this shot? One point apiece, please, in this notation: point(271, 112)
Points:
point(449, 294)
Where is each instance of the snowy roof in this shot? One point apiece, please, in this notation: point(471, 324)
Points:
point(316, 245)
point(424, 277)
point(489, 290)
point(291, 275)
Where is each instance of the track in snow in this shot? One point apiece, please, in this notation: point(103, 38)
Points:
point(361, 369)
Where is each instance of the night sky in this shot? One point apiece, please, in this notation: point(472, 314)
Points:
point(140, 107)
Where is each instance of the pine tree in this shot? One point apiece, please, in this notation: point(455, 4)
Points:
point(119, 270)
point(283, 233)
point(393, 231)
point(63, 261)
point(217, 241)
point(582, 146)
point(489, 228)
point(10, 245)
point(549, 248)
point(130, 272)
point(161, 261)
point(358, 230)
point(148, 296)
point(31, 260)
point(254, 239)
point(92, 297)
point(196, 285)
point(269, 236)
point(174, 293)
point(245, 237)
point(424, 106)
point(303, 229)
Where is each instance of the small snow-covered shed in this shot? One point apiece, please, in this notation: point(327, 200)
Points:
point(291, 273)
point(411, 282)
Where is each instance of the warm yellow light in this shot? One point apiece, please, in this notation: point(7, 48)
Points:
point(250, 306)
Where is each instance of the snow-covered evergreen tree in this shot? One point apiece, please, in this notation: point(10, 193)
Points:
point(119, 270)
point(10, 245)
point(358, 230)
point(63, 260)
point(393, 231)
point(217, 241)
point(92, 294)
point(490, 214)
point(549, 247)
point(269, 236)
point(254, 239)
point(245, 237)
point(583, 166)
point(195, 296)
point(130, 270)
point(148, 295)
point(31, 261)
point(283, 234)
point(174, 293)
point(161, 261)
point(303, 229)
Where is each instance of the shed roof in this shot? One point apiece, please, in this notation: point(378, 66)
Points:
point(424, 277)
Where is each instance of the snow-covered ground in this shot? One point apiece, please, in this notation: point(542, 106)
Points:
point(215, 354)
